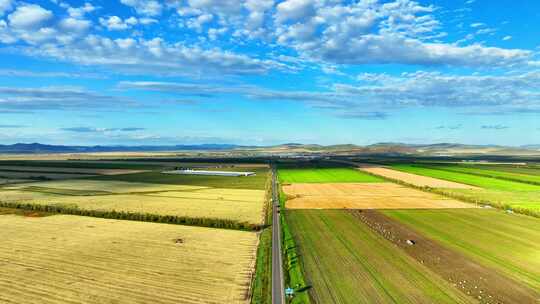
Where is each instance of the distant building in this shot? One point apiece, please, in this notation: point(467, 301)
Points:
point(205, 172)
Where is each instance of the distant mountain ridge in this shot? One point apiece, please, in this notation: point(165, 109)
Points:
point(386, 147)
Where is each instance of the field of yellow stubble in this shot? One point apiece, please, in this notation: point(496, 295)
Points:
point(71, 259)
point(364, 196)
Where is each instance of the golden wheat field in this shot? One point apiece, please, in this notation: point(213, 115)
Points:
point(72, 259)
point(179, 200)
point(414, 179)
point(364, 196)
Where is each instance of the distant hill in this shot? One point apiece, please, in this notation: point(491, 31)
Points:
point(43, 148)
point(379, 148)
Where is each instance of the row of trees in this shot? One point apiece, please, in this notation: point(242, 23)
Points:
point(144, 217)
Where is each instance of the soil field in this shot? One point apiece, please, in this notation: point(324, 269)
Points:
point(509, 243)
point(4, 181)
point(68, 170)
point(346, 262)
point(325, 175)
point(71, 259)
point(364, 196)
point(177, 200)
point(414, 179)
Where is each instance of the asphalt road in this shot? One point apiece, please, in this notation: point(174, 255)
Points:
point(278, 286)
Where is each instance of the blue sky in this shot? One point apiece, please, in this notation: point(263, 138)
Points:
point(266, 72)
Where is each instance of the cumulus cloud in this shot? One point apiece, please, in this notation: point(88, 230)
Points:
point(144, 7)
point(29, 16)
point(5, 5)
point(115, 23)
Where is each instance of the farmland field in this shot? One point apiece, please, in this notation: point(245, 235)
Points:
point(364, 196)
point(68, 170)
point(257, 182)
point(414, 179)
point(325, 175)
point(39, 175)
point(509, 243)
point(242, 205)
point(495, 191)
point(71, 259)
point(346, 262)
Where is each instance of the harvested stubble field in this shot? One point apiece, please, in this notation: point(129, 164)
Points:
point(346, 262)
point(364, 196)
point(508, 243)
point(414, 179)
point(325, 175)
point(242, 205)
point(71, 259)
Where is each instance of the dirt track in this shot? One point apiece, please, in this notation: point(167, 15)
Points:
point(484, 284)
point(414, 179)
point(364, 196)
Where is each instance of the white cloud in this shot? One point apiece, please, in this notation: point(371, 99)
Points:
point(79, 12)
point(477, 24)
point(292, 10)
point(145, 7)
point(115, 23)
point(75, 25)
point(506, 38)
point(29, 16)
point(5, 5)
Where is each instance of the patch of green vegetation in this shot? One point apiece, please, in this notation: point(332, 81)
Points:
point(243, 182)
point(469, 179)
point(294, 274)
point(325, 175)
point(509, 243)
point(78, 164)
point(500, 193)
point(346, 262)
point(262, 283)
point(28, 213)
point(492, 172)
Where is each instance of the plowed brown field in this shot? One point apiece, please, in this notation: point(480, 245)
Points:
point(413, 179)
point(364, 196)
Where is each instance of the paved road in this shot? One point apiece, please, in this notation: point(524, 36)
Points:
point(278, 287)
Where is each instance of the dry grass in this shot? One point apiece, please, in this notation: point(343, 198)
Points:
point(413, 179)
point(364, 196)
point(71, 170)
point(178, 200)
point(71, 259)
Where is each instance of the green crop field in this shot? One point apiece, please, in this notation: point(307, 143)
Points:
point(495, 191)
point(524, 175)
point(257, 182)
point(346, 262)
point(325, 175)
point(509, 243)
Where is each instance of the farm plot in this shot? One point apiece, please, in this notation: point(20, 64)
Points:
point(415, 179)
point(89, 171)
point(364, 196)
point(524, 175)
point(346, 262)
point(508, 243)
point(493, 191)
point(71, 259)
point(39, 175)
point(325, 175)
point(240, 205)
